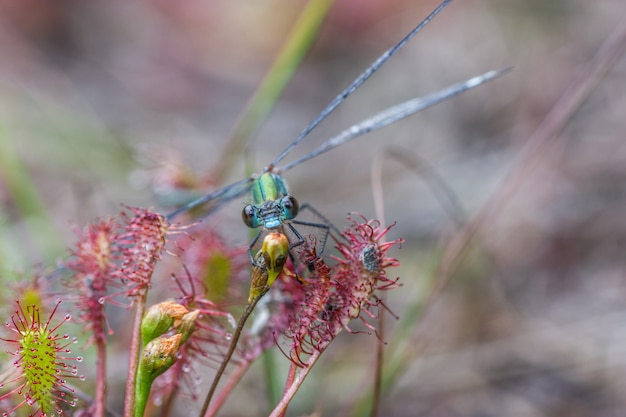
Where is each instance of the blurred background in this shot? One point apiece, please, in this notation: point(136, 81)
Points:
point(102, 103)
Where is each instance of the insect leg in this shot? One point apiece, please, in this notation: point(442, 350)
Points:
point(254, 241)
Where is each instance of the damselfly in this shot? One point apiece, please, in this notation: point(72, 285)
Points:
point(272, 207)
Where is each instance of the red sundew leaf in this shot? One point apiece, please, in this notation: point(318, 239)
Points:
point(333, 296)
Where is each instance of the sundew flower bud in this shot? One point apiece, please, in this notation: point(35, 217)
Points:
point(205, 335)
point(157, 357)
point(159, 318)
point(188, 325)
point(41, 364)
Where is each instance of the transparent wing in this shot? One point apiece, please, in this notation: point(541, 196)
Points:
point(393, 114)
point(364, 76)
point(214, 200)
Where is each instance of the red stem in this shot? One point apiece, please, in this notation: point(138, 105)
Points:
point(378, 373)
point(281, 407)
point(228, 388)
point(291, 376)
point(101, 387)
point(133, 357)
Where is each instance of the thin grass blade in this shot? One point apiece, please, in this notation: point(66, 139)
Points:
point(298, 44)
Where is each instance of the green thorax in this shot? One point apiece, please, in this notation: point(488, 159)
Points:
point(268, 187)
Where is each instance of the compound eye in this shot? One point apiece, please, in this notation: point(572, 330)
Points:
point(290, 206)
point(249, 216)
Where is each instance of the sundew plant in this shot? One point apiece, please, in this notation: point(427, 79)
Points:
point(164, 309)
point(187, 293)
point(113, 263)
point(194, 311)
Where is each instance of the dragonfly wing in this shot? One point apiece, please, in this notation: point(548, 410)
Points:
point(395, 113)
point(364, 76)
point(216, 199)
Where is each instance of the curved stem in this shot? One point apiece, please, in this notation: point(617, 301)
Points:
point(231, 350)
point(281, 407)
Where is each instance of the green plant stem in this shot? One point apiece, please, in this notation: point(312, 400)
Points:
point(133, 356)
point(231, 349)
point(142, 391)
point(270, 371)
